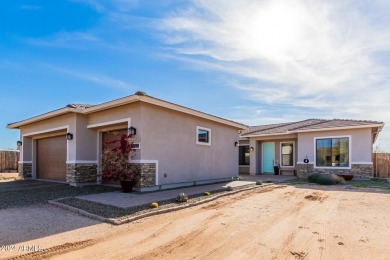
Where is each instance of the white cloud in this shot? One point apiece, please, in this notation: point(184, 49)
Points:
point(97, 5)
point(323, 55)
point(65, 40)
point(30, 7)
point(87, 76)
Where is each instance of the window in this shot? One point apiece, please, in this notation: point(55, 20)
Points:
point(332, 152)
point(243, 155)
point(203, 135)
point(287, 151)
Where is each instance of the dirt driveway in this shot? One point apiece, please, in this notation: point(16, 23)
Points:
point(282, 222)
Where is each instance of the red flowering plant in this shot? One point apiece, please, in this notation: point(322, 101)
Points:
point(115, 159)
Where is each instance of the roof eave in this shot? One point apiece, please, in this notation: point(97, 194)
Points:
point(377, 133)
point(265, 135)
point(339, 128)
point(317, 130)
point(162, 103)
point(55, 113)
point(124, 101)
point(111, 104)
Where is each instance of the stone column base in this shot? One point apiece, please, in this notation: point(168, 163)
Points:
point(24, 170)
point(80, 174)
point(147, 176)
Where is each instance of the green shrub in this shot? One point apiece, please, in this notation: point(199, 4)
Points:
point(328, 179)
point(207, 193)
point(154, 205)
point(229, 188)
point(259, 182)
point(313, 177)
point(269, 181)
point(342, 181)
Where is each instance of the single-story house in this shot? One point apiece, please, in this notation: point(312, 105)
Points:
point(309, 146)
point(176, 145)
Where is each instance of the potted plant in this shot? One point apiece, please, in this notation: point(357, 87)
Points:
point(115, 162)
point(276, 168)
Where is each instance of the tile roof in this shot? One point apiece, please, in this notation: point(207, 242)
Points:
point(306, 125)
point(79, 105)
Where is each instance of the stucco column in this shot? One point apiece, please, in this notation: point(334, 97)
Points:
point(253, 156)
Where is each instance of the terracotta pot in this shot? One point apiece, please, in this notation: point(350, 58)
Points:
point(127, 186)
point(346, 177)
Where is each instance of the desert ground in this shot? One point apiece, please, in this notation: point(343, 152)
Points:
point(278, 222)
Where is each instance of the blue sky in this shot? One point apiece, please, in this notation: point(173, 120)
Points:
point(253, 61)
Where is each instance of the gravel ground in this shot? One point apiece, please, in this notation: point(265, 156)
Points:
point(26, 224)
point(8, 176)
point(31, 192)
point(114, 212)
point(107, 211)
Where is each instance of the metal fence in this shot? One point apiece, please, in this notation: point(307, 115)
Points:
point(9, 160)
point(381, 165)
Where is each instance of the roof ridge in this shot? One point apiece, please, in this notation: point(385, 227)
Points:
point(76, 105)
point(322, 121)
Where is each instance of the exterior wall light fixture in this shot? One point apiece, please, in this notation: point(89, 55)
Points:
point(251, 149)
point(19, 143)
point(132, 131)
point(69, 136)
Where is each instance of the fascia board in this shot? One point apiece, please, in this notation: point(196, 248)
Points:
point(42, 117)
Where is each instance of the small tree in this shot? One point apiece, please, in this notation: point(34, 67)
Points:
point(115, 161)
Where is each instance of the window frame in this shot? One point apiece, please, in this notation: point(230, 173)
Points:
point(243, 165)
point(197, 135)
point(281, 154)
point(334, 167)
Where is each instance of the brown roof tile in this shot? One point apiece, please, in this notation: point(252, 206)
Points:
point(79, 105)
point(305, 125)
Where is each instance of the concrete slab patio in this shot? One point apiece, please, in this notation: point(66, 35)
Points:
point(128, 200)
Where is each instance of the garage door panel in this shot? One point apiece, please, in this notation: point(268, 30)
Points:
point(51, 158)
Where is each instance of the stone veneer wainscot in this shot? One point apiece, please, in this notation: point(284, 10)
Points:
point(357, 170)
point(78, 174)
point(147, 175)
point(25, 170)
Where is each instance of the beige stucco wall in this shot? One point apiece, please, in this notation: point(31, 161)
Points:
point(86, 139)
point(256, 155)
point(170, 137)
point(105, 119)
point(361, 144)
point(46, 128)
point(166, 136)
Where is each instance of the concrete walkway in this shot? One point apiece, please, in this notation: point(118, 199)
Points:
point(127, 200)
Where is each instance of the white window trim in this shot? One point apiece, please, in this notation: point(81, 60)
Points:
point(205, 129)
point(333, 167)
point(281, 155)
point(110, 123)
point(139, 146)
